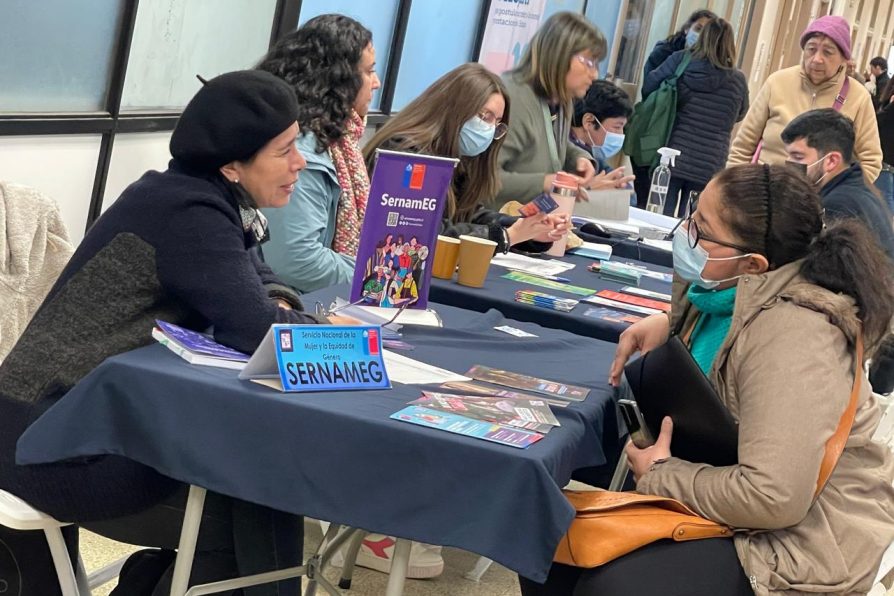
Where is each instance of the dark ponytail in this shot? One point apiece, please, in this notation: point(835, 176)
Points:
point(776, 212)
point(846, 258)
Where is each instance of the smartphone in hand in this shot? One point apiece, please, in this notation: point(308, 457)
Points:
point(636, 426)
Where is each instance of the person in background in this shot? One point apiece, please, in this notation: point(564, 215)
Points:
point(821, 144)
point(331, 63)
point(850, 67)
point(598, 128)
point(885, 118)
point(712, 97)
point(878, 67)
point(558, 66)
point(815, 83)
point(465, 115)
point(802, 295)
point(178, 246)
point(683, 39)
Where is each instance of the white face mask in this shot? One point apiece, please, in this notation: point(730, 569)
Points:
point(820, 179)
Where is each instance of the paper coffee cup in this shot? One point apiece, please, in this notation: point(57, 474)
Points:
point(446, 256)
point(474, 260)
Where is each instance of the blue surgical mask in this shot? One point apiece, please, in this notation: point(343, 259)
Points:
point(475, 137)
point(689, 263)
point(610, 146)
point(691, 37)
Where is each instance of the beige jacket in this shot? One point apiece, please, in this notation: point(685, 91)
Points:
point(35, 249)
point(788, 93)
point(526, 156)
point(785, 371)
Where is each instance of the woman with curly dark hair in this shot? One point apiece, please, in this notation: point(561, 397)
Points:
point(330, 62)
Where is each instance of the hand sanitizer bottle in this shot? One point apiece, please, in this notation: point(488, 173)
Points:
point(661, 180)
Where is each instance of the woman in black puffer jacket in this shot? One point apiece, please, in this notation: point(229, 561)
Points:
point(712, 97)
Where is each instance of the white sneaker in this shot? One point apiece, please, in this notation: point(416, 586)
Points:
point(376, 551)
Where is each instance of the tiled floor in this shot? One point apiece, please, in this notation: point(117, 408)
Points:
point(497, 581)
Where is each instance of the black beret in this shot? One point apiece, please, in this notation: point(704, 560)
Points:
point(231, 118)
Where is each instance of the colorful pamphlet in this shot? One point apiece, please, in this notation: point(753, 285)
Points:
point(542, 203)
point(197, 348)
point(479, 389)
point(543, 300)
point(407, 196)
point(641, 310)
point(547, 283)
point(496, 433)
point(647, 293)
point(611, 315)
point(636, 300)
point(533, 415)
point(527, 383)
point(617, 272)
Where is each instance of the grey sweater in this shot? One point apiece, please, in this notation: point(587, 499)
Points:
point(526, 156)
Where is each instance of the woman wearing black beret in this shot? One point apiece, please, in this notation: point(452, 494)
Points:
point(179, 246)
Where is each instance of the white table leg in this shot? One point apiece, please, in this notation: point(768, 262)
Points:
point(189, 534)
point(400, 560)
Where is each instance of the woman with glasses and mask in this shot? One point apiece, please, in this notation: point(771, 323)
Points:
point(713, 96)
point(773, 312)
point(465, 115)
point(558, 66)
point(597, 127)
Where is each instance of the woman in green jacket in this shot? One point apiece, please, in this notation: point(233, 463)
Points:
point(558, 67)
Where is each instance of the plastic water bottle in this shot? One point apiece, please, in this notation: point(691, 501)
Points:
point(661, 180)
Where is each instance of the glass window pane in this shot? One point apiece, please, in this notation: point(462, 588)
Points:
point(426, 57)
point(379, 17)
point(57, 54)
point(605, 16)
point(174, 40)
point(554, 6)
point(24, 160)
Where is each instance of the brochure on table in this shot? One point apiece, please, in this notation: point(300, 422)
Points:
point(197, 348)
point(319, 358)
point(531, 265)
point(496, 433)
point(407, 197)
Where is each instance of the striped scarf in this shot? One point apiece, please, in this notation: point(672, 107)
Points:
point(350, 169)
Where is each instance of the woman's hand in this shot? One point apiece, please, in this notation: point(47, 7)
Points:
point(642, 459)
point(642, 336)
point(585, 170)
point(610, 180)
point(528, 228)
point(343, 320)
point(559, 224)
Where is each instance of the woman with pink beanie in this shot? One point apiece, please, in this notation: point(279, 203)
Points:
point(819, 81)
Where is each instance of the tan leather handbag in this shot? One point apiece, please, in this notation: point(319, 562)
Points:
point(611, 524)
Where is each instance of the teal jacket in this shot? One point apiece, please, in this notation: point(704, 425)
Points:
point(300, 247)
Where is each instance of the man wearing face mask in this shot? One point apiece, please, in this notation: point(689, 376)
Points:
point(597, 127)
point(821, 144)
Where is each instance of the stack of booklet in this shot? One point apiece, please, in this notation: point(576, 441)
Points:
point(480, 410)
point(617, 306)
point(197, 348)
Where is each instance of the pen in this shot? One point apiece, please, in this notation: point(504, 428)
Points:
point(564, 280)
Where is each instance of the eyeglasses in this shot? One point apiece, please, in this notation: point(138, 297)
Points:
point(500, 127)
point(588, 62)
point(694, 234)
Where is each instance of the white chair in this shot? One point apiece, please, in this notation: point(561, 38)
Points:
point(16, 514)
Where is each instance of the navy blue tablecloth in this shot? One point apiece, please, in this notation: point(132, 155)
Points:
point(338, 456)
point(499, 293)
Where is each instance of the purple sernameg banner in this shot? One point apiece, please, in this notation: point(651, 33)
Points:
point(407, 195)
